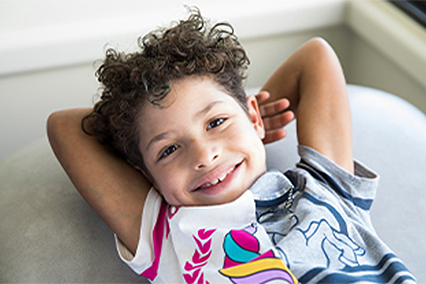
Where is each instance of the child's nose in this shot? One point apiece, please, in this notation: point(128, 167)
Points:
point(205, 154)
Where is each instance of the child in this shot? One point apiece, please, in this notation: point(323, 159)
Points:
point(177, 112)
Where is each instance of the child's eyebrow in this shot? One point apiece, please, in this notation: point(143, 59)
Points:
point(205, 110)
point(157, 138)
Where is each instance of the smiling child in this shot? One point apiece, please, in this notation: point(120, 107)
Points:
point(185, 188)
point(204, 142)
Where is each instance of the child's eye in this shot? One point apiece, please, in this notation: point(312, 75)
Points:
point(215, 123)
point(169, 150)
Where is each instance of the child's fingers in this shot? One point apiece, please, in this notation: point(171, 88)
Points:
point(274, 108)
point(262, 96)
point(274, 135)
point(278, 121)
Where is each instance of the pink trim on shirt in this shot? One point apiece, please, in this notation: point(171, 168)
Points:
point(157, 239)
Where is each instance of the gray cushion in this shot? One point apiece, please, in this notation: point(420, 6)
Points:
point(47, 231)
point(49, 234)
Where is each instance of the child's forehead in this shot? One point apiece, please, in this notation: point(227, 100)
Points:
point(188, 102)
point(194, 93)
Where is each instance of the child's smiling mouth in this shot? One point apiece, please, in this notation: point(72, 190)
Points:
point(217, 177)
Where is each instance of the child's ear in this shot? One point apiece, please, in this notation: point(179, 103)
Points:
point(255, 117)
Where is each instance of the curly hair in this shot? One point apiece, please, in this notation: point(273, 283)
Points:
point(130, 80)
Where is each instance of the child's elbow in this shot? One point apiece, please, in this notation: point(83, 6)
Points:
point(320, 46)
point(319, 42)
point(64, 124)
point(55, 128)
point(323, 57)
point(53, 124)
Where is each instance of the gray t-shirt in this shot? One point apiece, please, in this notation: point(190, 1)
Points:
point(317, 216)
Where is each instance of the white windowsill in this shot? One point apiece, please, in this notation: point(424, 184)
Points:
point(56, 38)
point(53, 38)
point(393, 33)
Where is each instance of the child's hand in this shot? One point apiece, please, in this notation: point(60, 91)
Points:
point(275, 116)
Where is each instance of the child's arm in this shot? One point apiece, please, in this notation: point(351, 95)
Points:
point(313, 81)
point(114, 189)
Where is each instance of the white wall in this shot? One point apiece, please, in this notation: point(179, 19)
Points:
point(27, 99)
point(68, 32)
point(388, 50)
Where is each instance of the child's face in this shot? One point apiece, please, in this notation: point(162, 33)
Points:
point(202, 148)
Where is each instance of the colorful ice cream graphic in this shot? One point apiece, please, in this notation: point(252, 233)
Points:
point(244, 263)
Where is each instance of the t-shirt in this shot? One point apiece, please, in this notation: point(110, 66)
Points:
point(322, 225)
point(310, 224)
point(204, 244)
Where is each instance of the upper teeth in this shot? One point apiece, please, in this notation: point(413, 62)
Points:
point(216, 181)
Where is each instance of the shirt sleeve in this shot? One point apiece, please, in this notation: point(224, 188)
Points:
point(359, 188)
point(145, 252)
